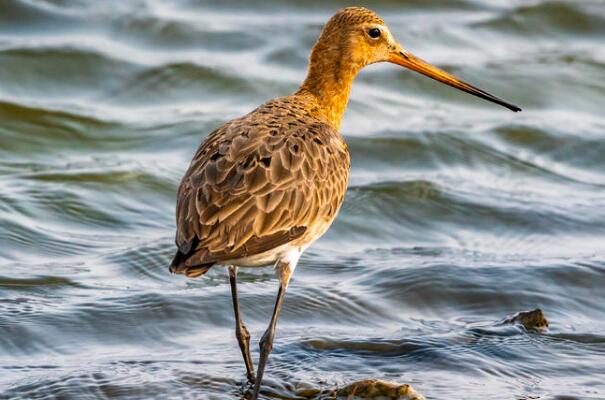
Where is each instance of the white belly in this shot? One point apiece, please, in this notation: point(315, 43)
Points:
point(266, 258)
point(283, 252)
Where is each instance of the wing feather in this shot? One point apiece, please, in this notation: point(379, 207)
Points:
point(256, 183)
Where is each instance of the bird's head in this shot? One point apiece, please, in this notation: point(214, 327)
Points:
point(356, 37)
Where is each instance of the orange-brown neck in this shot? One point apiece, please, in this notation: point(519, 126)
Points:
point(332, 69)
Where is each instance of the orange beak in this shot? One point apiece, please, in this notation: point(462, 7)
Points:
point(408, 60)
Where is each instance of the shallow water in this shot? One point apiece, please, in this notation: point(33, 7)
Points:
point(458, 214)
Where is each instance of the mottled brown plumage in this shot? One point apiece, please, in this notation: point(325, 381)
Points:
point(261, 188)
point(274, 176)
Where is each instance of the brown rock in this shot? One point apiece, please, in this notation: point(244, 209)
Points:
point(377, 389)
point(530, 320)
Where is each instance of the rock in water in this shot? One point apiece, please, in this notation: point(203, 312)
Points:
point(377, 389)
point(530, 320)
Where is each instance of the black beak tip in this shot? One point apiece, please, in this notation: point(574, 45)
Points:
point(515, 108)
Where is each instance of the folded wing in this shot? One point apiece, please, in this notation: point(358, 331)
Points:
point(256, 184)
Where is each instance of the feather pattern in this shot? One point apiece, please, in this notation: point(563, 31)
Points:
point(277, 175)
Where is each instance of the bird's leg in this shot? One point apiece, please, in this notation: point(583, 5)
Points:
point(284, 270)
point(243, 337)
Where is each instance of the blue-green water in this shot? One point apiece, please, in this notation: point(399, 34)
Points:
point(458, 213)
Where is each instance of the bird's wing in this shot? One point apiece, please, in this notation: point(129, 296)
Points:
point(253, 186)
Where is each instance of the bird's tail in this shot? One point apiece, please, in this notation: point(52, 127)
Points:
point(178, 266)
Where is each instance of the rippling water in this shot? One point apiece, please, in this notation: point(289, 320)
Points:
point(459, 213)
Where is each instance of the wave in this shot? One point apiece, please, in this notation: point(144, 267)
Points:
point(554, 17)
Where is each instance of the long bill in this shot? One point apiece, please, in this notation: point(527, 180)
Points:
point(414, 63)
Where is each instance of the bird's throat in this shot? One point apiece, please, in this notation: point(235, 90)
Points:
point(329, 79)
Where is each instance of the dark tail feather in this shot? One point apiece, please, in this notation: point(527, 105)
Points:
point(178, 266)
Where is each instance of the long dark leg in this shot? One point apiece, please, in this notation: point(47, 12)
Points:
point(243, 337)
point(266, 342)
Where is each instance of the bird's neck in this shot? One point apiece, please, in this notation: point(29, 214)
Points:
point(329, 79)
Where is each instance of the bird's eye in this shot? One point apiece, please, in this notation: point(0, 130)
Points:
point(374, 33)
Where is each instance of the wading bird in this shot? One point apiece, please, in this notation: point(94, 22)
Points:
point(261, 188)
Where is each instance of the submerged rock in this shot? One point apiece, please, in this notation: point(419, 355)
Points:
point(377, 389)
point(367, 389)
point(530, 320)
